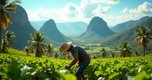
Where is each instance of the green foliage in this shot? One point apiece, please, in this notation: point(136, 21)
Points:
point(125, 50)
point(5, 7)
point(103, 52)
point(37, 45)
point(4, 46)
point(49, 50)
point(20, 67)
point(16, 66)
point(27, 50)
point(9, 36)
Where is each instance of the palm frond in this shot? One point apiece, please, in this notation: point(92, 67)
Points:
point(10, 7)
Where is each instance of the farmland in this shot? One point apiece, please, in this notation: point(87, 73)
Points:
point(17, 66)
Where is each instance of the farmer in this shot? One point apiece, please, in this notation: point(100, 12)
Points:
point(79, 55)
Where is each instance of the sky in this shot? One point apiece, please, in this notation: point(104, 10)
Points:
point(112, 11)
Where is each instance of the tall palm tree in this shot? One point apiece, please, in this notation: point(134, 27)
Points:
point(143, 37)
point(49, 49)
point(6, 6)
point(4, 46)
point(125, 50)
point(37, 45)
point(9, 36)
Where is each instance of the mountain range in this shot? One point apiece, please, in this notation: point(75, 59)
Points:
point(96, 31)
point(74, 28)
point(115, 40)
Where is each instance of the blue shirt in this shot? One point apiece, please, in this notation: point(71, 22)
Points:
point(78, 50)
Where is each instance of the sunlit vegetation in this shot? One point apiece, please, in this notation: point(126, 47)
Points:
point(16, 66)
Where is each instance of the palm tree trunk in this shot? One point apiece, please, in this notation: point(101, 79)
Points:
point(37, 53)
point(144, 51)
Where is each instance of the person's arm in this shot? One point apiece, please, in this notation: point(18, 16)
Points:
point(73, 61)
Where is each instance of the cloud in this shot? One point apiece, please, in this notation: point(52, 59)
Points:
point(145, 8)
point(61, 14)
point(88, 9)
point(142, 10)
point(101, 10)
point(126, 11)
point(71, 12)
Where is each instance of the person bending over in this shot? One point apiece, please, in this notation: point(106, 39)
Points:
point(79, 55)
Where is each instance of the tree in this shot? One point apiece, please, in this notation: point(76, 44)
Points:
point(27, 50)
point(9, 36)
point(136, 52)
point(49, 49)
point(56, 55)
point(37, 45)
point(4, 46)
point(103, 52)
point(125, 50)
point(113, 54)
point(6, 6)
point(143, 37)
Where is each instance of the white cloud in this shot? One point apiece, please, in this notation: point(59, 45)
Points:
point(126, 11)
point(142, 10)
point(61, 14)
point(71, 12)
point(88, 9)
point(101, 10)
point(145, 8)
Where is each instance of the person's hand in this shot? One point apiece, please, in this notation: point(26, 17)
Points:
point(67, 66)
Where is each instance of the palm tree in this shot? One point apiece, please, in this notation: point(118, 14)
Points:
point(103, 52)
point(6, 6)
point(125, 50)
point(27, 50)
point(37, 45)
point(9, 36)
point(56, 55)
point(4, 46)
point(143, 37)
point(49, 49)
point(136, 53)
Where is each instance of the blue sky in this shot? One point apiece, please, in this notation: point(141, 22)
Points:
point(112, 11)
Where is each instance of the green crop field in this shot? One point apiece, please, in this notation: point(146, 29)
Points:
point(17, 66)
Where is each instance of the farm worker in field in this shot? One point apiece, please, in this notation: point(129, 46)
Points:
point(79, 55)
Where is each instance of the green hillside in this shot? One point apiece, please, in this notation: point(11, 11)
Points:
point(115, 40)
point(129, 24)
point(17, 66)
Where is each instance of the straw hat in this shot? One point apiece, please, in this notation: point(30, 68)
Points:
point(64, 47)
